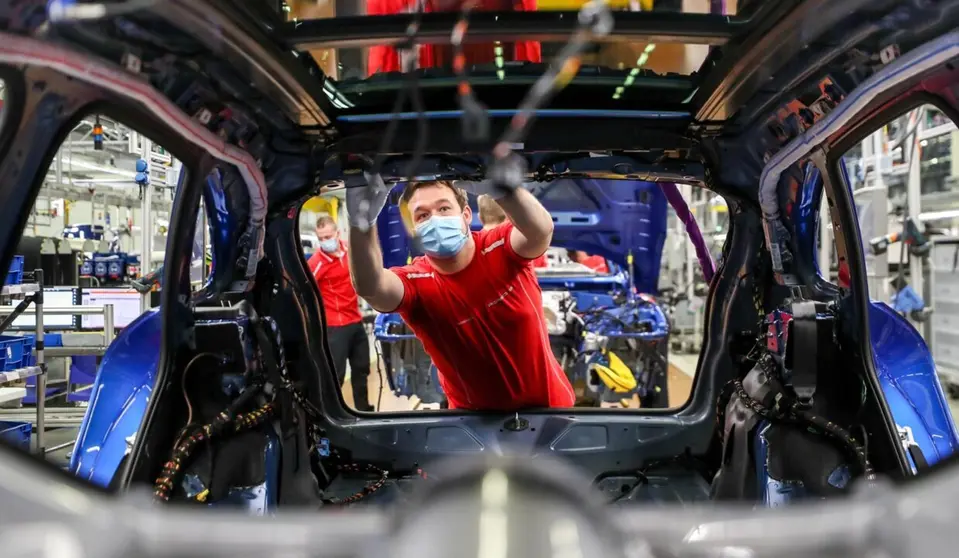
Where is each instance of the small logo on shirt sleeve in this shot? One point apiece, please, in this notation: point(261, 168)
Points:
point(419, 275)
point(493, 246)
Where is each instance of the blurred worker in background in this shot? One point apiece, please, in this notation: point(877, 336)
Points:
point(473, 300)
point(492, 215)
point(387, 59)
point(344, 324)
point(596, 263)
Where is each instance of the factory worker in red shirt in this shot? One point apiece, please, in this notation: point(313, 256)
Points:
point(596, 263)
point(387, 59)
point(344, 324)
point(473, 300)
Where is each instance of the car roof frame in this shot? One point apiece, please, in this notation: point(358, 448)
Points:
point(437, 28)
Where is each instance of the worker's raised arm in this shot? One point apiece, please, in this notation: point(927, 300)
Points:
point(381, 288)
point(532, 224)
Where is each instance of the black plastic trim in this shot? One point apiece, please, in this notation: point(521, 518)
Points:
point(654, 27)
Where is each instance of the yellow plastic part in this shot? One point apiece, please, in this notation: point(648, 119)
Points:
point(617, 376)
point(405, 216)
point(201, 497)
point(323, 205)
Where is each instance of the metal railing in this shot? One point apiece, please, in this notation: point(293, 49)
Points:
point(40, 368)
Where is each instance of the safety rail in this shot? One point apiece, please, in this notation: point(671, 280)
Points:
point(34, 294)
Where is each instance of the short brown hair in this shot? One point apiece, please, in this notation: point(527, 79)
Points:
point(490, 213)
point(324, 220)
point(412, 187)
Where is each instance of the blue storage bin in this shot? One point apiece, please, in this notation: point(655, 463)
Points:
point(17, 434)
point(15, 352)
point(49, 340)
point(15, 274)
point(28, 358)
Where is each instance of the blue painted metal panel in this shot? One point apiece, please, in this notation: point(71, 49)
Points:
point(611, 218)
point(909, 381)
point(118, 400)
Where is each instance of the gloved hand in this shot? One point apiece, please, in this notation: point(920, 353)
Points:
point(503, 178)
point(364, 203)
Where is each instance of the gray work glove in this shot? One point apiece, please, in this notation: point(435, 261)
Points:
point(503, 178)
point(364, 203)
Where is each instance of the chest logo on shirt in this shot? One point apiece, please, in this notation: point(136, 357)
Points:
point(419, 275)
point(490, 304)
point(500, 297)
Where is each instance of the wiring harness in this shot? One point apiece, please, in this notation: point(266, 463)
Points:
point(230, 421)
point(319, 443)
point(225, 423)
point(789, 409)
point(595, 20)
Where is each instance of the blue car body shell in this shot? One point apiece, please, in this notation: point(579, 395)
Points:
point(596, 216)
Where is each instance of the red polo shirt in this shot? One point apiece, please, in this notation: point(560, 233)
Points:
point(596, 263)
point(332, 275)
point(386, 58)
point(540, 262)
point(484, 329)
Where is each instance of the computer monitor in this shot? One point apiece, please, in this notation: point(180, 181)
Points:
point(126, 306)
point(52, 296)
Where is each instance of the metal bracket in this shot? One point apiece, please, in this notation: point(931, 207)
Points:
point(516, 424)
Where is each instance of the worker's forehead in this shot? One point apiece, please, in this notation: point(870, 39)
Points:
point(428, 195)
point(326, 227)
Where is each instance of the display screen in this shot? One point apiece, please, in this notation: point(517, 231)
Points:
point(52, 296)
point(126, 306)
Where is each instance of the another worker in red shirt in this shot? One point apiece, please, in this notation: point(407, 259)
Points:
point(596, 263)
point(492, 215)
point(344, 324)
point(387, 59)
point(473, 300)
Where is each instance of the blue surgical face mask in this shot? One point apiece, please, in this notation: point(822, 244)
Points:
point(330, 245)
point(442, 237)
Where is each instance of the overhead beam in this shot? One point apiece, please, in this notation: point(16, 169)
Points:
point(546, 26)
point(779, 32)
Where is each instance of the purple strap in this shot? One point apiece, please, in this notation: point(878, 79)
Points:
point(676, 200)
